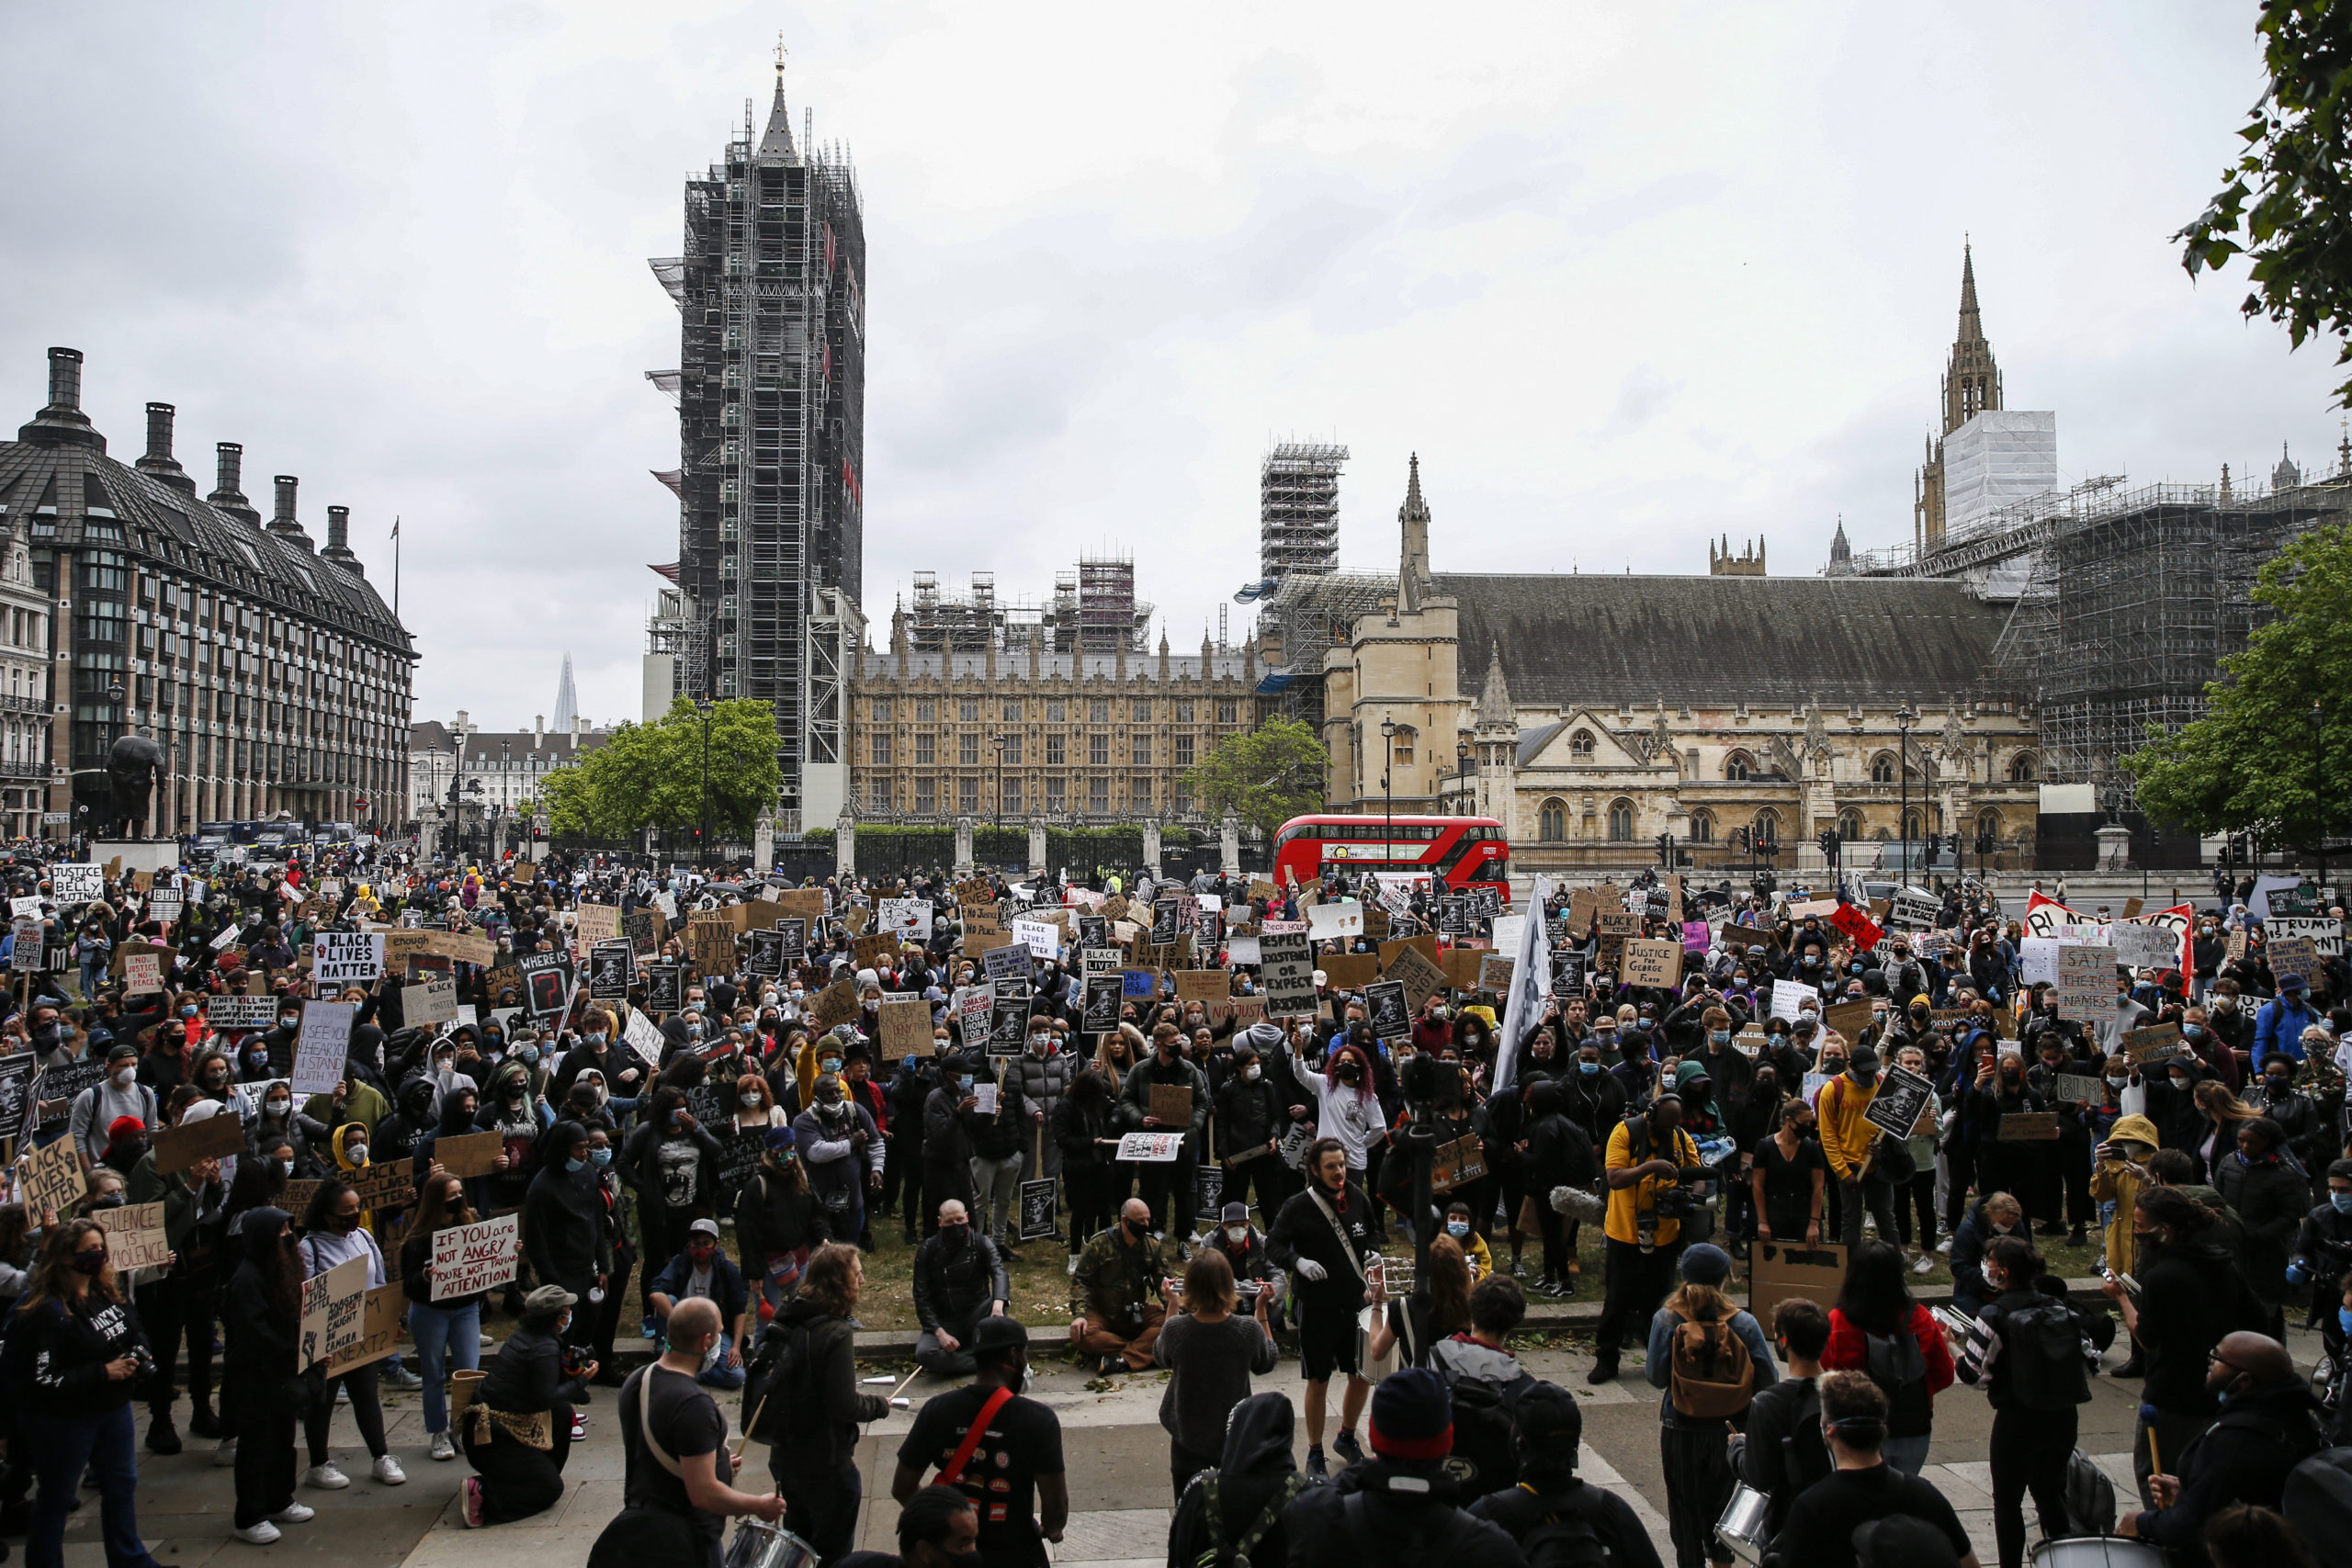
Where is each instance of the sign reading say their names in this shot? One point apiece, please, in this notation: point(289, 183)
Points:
point(321, 1045)
point(2086, 981)
point(467, 1259)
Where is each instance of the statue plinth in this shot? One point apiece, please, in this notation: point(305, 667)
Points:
point(137, 854)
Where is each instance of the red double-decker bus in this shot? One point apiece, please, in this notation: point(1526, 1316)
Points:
point(1456, 851)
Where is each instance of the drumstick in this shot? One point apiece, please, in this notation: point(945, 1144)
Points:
point(2156, 1465)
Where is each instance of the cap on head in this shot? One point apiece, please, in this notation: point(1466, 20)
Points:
point(704, 1227)
point(1412, 1415)
point(779, 1138)
point(549, 1299)
point(1235, 1214)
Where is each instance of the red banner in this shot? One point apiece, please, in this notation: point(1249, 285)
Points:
point(1859, 926)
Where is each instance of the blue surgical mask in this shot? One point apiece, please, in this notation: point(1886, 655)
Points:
point(600, 1157)
point(2343, 1317)
point(963, 1080)
point(1588, 1069)
point(527, 1054)
point(2342, 1201)
point(831, 1065)
point(575, 1165)
point(1719, 1036)
point(2194, 1031)
point(1457, 1228)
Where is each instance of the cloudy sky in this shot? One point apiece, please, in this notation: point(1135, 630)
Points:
point(1626, 276)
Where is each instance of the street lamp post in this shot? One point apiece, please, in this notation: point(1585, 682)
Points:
point(704, 708)
point(2319, 791)
point(1462, 771)
point(1904, 718)
point(999, 744)
point(1387, 793)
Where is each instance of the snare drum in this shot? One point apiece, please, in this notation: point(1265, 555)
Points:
point(1741, 1526)
point(2096, 1552)
point(758, 1545)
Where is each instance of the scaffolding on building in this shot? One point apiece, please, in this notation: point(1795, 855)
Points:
point(1300, 621)
point(2125, 604)
point(940, 620)
point(1107, 603)
point(1298, 510)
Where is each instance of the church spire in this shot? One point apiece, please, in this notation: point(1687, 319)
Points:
point(1971, 325)
point(777, 142)
point(1972, 378)
point(1495, 710)
point(1413, 564)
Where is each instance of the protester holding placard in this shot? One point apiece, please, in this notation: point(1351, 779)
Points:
point(334, 1232)
point(120, 1094)
point(447, 1332)
point(183, 1304)
point(1168, 1185)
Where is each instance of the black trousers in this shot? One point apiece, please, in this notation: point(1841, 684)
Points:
point(1956, 1195)
point(264, 1457)
point(1086, 1194)
point(2029, 1450)
point(903, 1181)
point(943, 1180)
point(1696, 1457)
point(608, 1313)
point(1183, 1464)
point(180, 1306)
point(517, 1480)
point(821, 1509)
point(1168, 1190)
point(366, 1410)
point(1263, 1175)
point(2073, 1159)
point(1919, 1194)
point(1637, 1283)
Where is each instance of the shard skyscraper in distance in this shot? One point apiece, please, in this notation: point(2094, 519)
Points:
point(771, 393)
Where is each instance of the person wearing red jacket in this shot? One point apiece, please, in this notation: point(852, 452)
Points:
point(1877, 1328)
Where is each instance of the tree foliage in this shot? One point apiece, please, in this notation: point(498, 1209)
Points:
point(1264, 777)
point(2287, 201)
point(652, 775)
point(2252, 763)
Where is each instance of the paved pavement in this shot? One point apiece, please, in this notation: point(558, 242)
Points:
point(1115, 1451)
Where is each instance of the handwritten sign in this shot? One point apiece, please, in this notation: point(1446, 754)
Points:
point(2086, 981)
point(1413, 968)
point(1789, 998)
point(178, 1147)
point(434, 1001)
point(1171, 1104)
point(1289, 972)
point(380, 1311)
point(53, 1177)
point(334, 1306)
point(2029, 1127)
point(1652, 963)
point(906, 1026)
point(321, 1044)
point(468, 1259)
point(2157, 1044)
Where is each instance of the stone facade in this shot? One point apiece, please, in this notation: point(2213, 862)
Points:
point(1725, 710)
point(1088, 735)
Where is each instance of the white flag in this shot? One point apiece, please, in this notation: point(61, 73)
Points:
point(1530, 982)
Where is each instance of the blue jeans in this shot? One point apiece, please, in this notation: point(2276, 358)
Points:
point(1908, 1455)
point(62, 1447)
point(448, 1339)
point(720, 1375)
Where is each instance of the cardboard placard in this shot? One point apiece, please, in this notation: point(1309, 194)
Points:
point(178, 1147)
point(2081, 1089)
point(1463, 1159)
point(1420, 978)
point(346, 958)
point(1171, 1103)
point(1289, 973)
point(874, 951)
point(334, 1309)
point(836, 1005)
point(135, 1234)
point(596, 922)
point(400, 947)
point(321, 1045)
point(2028, 1127)
point(469, 1153)
point(468, 1259)
point(2155, 1044)
point(434, 1001)
point(1848, 1019)
point(382, 1186)
point(1348, 970)
point(1780, 1270)
point(906, 1027)
point(1649, 962)
point(1620, 923)
point(1494, 973)
point(1204, 985)
point(2085, 987)
point(2294, 955)
point(381, 1309)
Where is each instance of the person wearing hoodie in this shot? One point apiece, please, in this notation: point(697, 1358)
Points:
point(815, 1465)
point(514, 1112)
point(1549, 1430)
point(261, 1309)
point(411, 1118)
point(1242, 1498)
point(97, 1108)
point(2265, 1427)
point(334, 1231)
point(672, 1162)
point(840, 1149)
point(564, 1233)
point(2269, 1195)
point(778, 1221)
point(2189, 1294)
point(1397, 1499)
point(1252, 1114)
point(1553, 1152)
point(353, 1101)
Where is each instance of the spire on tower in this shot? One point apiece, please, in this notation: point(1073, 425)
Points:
point(1972, 328)
point(1413, 565)
point(777, 142)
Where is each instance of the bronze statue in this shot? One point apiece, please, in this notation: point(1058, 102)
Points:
point(134, 766)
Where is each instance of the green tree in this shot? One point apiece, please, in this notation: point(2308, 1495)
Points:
point(652, 775)
point(2286, 203)
point(2252, 762)
point(1264, 777)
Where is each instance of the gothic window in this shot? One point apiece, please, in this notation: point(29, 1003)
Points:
point(968, 795)
point(881, 748)
point(1988, 824)
point(1911, 824)
point(1581, 746)
point(1013, 797)
point(1011, 752)
point(1883, 768)
point(1552, 821)
point(1766, 830)
point(1404, 742)
point(969, 710)
point(968, 749)
point(2021, 769)
point(1620, 821)
point(1849, 824)
point(1012, 713)
point(1702, 827)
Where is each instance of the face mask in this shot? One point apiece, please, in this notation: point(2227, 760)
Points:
point(187, 1012)
point(1236, 1233)
point(1588, 1069)
point(287, 1165)
point(575, 1165)
point(1438, 1013)
point(1250, 1072)
point(829, 1064)
point(2117, 1083)
point(277, 1107)
point(87, 1262)
point(1132, 1230)
point(600, 1157)
point(1719, 1036)
point(123, 1079)
point(964, 1081)
point(2194, 1031)
point(597, 1040)
point(2179, 1084)
point(494, 1040)
point(286, 1021)
point(1349, 1073)
point(953, 1236)
point(355, 1154)
point(1457, 1228)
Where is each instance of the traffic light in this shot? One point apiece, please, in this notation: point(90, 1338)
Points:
point(1829, 842)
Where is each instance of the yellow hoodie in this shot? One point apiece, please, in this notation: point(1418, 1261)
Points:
point(1845, 1137)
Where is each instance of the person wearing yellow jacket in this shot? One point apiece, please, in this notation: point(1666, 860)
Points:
point(1846, 1140)
point(2118, 1178)
point(1647, 1157)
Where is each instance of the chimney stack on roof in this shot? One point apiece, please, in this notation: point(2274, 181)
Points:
point(158, 464)
point(229, 476)
point(60, 422)
point(285, 524)
point(338, 548)
point(65, 380)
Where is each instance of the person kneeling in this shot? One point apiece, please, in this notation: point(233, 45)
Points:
point(517, 1431)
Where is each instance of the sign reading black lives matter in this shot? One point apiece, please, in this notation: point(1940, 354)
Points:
point(1392, 1018)
point(346, 958)
point(1902, 1096)
point(1103, 995)
point(1287, 966)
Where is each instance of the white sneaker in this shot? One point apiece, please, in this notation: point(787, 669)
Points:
point(442, 1446)
point(1073, 1264)
point(325, 1477)
point(403, 1378)
point(388, 1471)
point(225, 1452)
point(1944, 1246)
point(1923, 1266)
point(295, 1514)
point(342, 1394)
point(487, 1342)
point(258, 1534)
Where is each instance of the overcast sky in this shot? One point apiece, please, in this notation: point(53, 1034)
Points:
point(1627, 277)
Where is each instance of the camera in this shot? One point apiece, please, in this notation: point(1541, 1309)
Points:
point(575, 1361)
point(1677, 1203)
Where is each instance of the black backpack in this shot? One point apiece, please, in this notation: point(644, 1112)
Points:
point(768, 1380)
point(1899, 1367)
point(1565, 1540)
point(2043, 1345)
point(1485, 1457)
